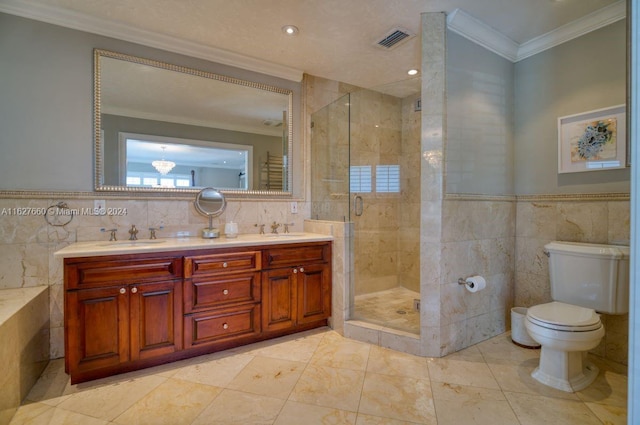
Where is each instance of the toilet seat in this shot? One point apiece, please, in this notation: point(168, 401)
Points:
point(564, 317)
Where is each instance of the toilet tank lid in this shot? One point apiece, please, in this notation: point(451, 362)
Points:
point(589, 249)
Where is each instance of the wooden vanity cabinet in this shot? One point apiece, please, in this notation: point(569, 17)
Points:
point(221, 297)
point(296, 286)
point(120, 314)
point(127, 312)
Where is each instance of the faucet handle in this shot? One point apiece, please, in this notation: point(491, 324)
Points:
point(112, 233)
point(286, 227)
point(152, 231)
point(261, 226)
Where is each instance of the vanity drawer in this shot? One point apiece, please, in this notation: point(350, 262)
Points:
point(295, 256)
point(211, 264)
point(113, 272)
point(206, 293)
point(222, 324)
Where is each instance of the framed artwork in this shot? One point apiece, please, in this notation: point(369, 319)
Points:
point(593, 140)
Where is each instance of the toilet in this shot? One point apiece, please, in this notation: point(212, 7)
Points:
point(586, 279)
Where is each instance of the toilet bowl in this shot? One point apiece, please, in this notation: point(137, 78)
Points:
point(584, 278)
point(566, 333)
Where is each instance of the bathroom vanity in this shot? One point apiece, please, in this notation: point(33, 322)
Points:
point(131, 305)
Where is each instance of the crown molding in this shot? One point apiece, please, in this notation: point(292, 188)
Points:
point(591, 22)
point(477, 31)
point(482, 34)
point(83, 22)
point(458, 21)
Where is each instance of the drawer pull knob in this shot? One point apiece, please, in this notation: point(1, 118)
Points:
point(301, 269)
point(225, 326)
point(123, 291)
point(225, 292)
point(225, 264)
point(134, 290)
point(295, 270)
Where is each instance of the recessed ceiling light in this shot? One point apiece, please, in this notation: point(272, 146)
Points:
point(290, 30)
point(413, 72)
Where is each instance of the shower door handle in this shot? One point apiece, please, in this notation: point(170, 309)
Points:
point(358, 205)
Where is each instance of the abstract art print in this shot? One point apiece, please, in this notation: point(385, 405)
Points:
point(592, 141)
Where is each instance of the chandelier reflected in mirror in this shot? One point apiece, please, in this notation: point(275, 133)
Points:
point(163, 166)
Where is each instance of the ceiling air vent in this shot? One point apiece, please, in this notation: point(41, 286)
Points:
point(394, 37)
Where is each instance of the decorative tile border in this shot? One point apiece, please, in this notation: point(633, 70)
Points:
point(575, 197)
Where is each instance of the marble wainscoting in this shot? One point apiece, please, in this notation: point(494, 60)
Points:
point(478, 238)
point(27, 241)
point(601, 218)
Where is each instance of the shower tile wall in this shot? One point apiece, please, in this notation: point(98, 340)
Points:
point(546, 219)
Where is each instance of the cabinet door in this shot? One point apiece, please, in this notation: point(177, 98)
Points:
point(156, 319)
point(97, 331)
point(278, 299)
point(314, 293)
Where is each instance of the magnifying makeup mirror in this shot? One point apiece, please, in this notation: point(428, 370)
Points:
point(211, 203)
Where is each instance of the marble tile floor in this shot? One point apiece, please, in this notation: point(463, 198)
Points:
point(391, 308)
point(320, 377)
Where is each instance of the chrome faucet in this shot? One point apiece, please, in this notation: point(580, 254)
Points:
point(133, 232)
point(286, 227)
point(112, 233)
point(261, 226)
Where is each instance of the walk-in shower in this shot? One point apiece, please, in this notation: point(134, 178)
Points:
point(366, 169)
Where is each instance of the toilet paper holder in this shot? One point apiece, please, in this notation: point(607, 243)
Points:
point(463, 281)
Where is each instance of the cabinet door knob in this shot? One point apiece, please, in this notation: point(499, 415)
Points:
point(301, 269)
point(134, 290)
point(295, 270)
point(225, 292)
point(123, 291)
point(225, 264)
point(225, 326)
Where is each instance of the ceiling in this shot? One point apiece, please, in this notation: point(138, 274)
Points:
point(336, 38)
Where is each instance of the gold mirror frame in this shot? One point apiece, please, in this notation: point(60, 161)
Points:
point(99, 185)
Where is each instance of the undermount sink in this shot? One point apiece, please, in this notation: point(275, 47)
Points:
point(133, 243)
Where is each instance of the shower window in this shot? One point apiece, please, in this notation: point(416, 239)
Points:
point(360, 178)
point(387, 178)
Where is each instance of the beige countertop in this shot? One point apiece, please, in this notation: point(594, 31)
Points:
point(97, 248)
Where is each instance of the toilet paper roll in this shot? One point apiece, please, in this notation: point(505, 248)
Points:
point(475, 283)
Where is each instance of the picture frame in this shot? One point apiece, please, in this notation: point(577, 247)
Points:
point(593, 140)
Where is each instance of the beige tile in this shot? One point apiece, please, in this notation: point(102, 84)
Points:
point(216, 371)
point(337, 351)
point(538, 410)
point(267, 376)
point(517, 378)
point(398, 397)
point(29, 412)
point(329, 387)
point(173, 402)
point(109, 401)
point(56, 416)
point(461, 372)
point(609, 388)
point(457, 404)
point(234, 407)
point(295, 413)
point(610, 415)
point(377, 420)
point(299, 348)
point(391, 362)
point(501, 349)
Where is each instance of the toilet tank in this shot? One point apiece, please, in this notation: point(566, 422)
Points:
point(590, 275)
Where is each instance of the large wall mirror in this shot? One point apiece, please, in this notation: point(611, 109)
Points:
point(168, 128)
